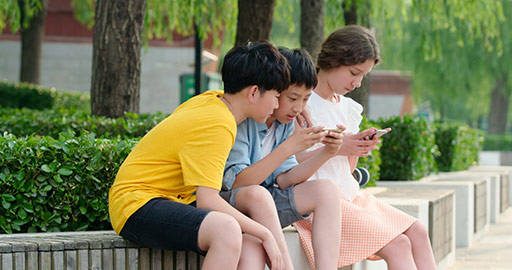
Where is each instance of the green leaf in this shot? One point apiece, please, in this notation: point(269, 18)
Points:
point(22, 213)
point(83, 210)
point(6, 204)
point(64, 171)
point(46, 168)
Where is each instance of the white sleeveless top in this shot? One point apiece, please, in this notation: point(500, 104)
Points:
point(348, 113)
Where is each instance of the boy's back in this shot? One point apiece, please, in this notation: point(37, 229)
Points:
point(168, 163)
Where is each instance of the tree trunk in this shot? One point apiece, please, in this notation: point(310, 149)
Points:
point(312, 26)
point(254, 20)
point(497, 118)
point(351, 17)
point(31, 44)
point(117, 41)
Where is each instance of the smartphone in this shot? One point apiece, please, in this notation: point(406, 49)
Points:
point(379, 133)
point(333, 129)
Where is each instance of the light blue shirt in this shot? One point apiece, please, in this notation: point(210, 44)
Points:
point(247, 151)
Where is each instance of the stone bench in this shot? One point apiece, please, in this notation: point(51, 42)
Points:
point(506, 182)
point(494, 190)
point(87, 250)
point(433, 207)
point(472, 216)
point(106, 250)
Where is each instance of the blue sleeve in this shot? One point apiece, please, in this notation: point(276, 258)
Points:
point(238, 158)
point(289, 163)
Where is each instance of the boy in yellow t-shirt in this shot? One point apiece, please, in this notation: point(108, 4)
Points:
point(166, 193)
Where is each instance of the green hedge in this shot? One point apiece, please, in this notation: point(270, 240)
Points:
point(24, 95)
point(372, 162)
point(458, 145)
point(408, 151)
point(58, 184)
point(26, 122)
point(497, 142)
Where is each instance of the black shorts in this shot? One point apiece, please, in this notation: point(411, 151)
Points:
point(164, 224)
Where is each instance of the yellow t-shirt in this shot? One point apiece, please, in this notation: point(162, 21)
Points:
point(187, 149)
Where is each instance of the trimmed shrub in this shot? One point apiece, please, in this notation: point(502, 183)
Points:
point(458, 145)
point(71, 101)
point(497, 142)
point(61, 184)
point(26, 122)
point(408, 152)
point(24, 95)
point(373, 161)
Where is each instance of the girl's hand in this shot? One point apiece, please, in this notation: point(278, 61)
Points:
point(333, 140)
point(303, 139)
point(359, 144)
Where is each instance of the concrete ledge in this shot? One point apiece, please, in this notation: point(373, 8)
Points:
point(106, 250)
point(87, 250)
point(506, 177)
point(441, 216)
point(494, 187)
point(467, 220)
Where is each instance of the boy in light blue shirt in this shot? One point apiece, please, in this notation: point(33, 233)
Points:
point(264, 154)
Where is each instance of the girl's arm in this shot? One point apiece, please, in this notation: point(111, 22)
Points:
point(352, 160)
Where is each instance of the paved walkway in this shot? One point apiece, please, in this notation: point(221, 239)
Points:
point(492, 251)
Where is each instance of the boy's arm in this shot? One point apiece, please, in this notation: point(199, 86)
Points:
point(208, 198)
point(307, 168)
point(256, 173)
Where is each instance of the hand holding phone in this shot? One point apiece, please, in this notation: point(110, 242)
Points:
point(379, 133)
point(339, 130)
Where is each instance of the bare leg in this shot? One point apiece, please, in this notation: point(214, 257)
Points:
point(258, 204)
point(398, 254)
point(221, 235)
point(322, 197)
point(253, 254)
point(421, 248)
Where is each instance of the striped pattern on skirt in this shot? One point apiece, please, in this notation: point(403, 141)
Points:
point(367, 225)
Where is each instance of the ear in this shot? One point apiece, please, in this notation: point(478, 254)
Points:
point(253, 93)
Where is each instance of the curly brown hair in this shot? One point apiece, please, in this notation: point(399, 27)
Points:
point(348, 46)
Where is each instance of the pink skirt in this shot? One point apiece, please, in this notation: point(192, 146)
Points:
point(367, 225)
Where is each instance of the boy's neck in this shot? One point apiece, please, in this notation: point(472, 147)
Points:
point(235, 105)
point(270, 121)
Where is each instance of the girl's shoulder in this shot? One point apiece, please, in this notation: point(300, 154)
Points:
point(352, 105)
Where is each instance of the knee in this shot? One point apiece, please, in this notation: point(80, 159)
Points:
point(258, 199)
point(401, 243)
point(225, 231)
point(418, 230)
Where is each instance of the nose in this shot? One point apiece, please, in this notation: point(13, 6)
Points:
point(357, 83)
point(276, 105)
point(297, 107)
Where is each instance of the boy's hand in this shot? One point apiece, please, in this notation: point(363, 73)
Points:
point(303, 139)
point(273, 252)
point(358, 144)
point(333, 140)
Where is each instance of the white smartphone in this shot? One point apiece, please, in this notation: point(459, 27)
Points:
point(333, 129)
point(379, 133)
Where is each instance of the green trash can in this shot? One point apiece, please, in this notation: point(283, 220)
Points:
point(210, 81)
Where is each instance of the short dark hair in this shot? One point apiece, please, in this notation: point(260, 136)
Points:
point(348, 46)
point(258, 64)
point(302, 68)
